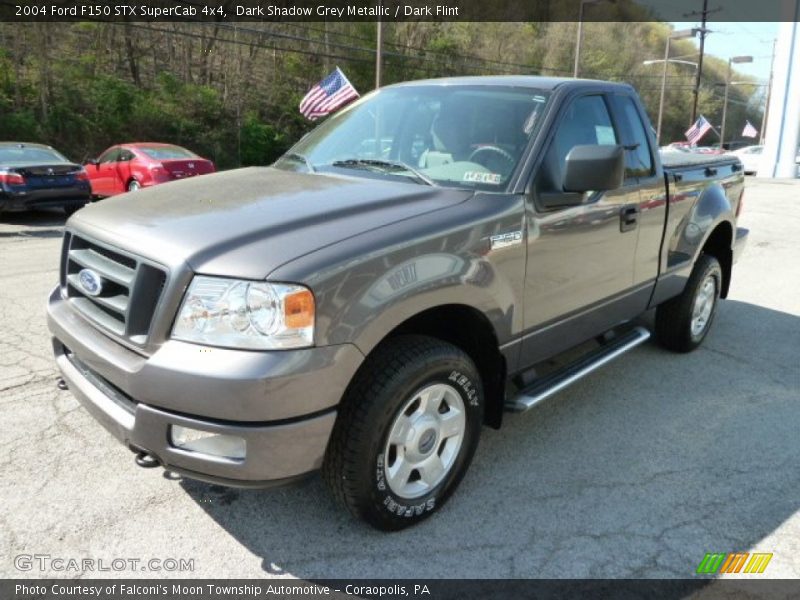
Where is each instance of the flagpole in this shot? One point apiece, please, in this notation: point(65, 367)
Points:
point(710, 126)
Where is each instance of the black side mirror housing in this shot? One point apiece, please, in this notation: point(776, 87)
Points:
point(594, 168)
point(92, 161)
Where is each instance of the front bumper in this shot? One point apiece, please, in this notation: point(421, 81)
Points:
point(282, 404)
point(11, 201)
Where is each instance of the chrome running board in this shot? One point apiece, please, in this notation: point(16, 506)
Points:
point(545, 387)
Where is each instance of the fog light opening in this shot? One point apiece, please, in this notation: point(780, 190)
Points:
point(207, 442)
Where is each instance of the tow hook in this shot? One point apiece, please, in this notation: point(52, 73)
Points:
point(146, 461)
point(61, 384)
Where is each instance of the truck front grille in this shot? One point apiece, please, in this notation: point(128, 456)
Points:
point(129, 287)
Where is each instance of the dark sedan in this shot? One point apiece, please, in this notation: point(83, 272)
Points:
point(36, 176)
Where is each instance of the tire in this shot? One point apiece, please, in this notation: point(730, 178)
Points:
point(133, 186)
point(394, 484)
point(683, 322)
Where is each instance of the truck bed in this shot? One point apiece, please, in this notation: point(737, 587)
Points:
point(673, 161)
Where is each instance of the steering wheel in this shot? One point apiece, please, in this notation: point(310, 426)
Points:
point(494, 150)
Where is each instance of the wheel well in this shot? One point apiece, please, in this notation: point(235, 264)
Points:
point(469, 330)
point(718, 245)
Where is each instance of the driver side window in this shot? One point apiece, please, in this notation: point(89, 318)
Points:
point(109, 156)
point(586, 122)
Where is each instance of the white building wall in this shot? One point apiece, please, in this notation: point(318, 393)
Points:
point(783, 126)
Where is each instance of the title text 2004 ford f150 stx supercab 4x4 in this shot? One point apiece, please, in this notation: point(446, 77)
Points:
point(390, 285)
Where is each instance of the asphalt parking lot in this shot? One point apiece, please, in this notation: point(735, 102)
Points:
point(637, 471)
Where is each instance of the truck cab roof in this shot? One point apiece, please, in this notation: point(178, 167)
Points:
point(524, 81)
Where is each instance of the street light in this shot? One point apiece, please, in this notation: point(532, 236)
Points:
point(658, 61)
point(731, 61)
point(580, 32)
point(675, 35)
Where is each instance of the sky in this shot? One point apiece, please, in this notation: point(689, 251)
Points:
point(729, 39)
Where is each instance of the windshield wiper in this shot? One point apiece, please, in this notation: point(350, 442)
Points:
point(385, 165)
point(301, 158)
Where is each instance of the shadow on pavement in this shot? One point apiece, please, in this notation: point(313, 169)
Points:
point(636, 471)
point(39, 224)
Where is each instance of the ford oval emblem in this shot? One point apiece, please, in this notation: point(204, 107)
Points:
point(90, 282)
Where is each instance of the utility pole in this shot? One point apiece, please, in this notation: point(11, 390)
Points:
point(696, 91)
point(769, 93)
point(579, 38)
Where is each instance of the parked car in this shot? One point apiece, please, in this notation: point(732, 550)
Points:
point(708, 150)
point(129, 167)
point(750, 156)
point(37, 176)
point(675, 148)
point(366, 308)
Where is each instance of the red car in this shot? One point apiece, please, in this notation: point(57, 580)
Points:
point(128, 167)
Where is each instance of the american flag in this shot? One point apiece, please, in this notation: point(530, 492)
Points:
point(329, 94)
point(749, 130)
point(698, 130)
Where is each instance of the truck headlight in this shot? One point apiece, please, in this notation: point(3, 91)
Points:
point(246, 314)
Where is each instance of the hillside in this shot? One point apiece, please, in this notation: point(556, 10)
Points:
point(230, 91)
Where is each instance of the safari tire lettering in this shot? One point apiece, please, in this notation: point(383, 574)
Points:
point(396, 506)
point(465, 384)
point(355, 464)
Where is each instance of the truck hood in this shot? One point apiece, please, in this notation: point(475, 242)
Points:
point(247, 222)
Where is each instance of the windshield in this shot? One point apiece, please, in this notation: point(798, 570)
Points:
point(457, 136)
point(167, 152)
point(17, 154)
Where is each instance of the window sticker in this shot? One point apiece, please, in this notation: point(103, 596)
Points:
point(605, 135)
point(481, 177)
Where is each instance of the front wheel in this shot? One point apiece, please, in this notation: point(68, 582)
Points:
point(682, 323)
point(133, 186)
point(406, 432)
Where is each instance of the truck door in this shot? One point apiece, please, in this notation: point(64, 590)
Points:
point(580, 267)
point(122, 173)
point(643, 169)
point(104, 172)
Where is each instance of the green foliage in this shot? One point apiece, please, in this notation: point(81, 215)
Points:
point(261, 143)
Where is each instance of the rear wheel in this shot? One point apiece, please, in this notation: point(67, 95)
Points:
point(683, 322)
point(133, 185)
point(406, 432)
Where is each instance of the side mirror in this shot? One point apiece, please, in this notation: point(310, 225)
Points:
point(594, 168)
point(92, 161)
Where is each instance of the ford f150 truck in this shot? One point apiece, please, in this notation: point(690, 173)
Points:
point(433, 255)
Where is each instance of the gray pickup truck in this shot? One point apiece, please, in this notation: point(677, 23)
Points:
point(433, 255)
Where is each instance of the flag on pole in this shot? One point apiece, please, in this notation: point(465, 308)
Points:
point(698, 130)
point(328, 95)
point(749, 130)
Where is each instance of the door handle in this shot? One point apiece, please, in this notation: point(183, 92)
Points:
point(628, 217)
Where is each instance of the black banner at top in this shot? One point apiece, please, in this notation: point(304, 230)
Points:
point(397, 10)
